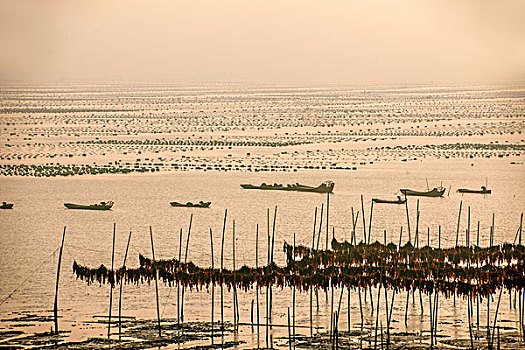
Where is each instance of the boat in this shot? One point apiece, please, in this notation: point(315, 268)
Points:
point(100, 206)
point(399, 200)
point(201, 204)
point(325, 187)
point(435, 192)
point(6, 205)
point(483, 190)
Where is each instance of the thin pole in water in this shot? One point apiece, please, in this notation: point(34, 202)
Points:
point(120, 291)
point(408, 219)
point(364, 223)
point(370, 223)
point(320, 226)
point(212, 285)
point(55, 307)
point(222, 267)
point(156, 284)
point(459, 220)
point(185, 260)
point(178, 283)
point(111, 284)
point(327, 217)
point(235, 306)
point(257, 268)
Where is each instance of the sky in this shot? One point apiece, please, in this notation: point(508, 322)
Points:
point(339, 41)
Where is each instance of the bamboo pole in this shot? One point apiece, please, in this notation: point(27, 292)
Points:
point(235, 300)
point(408, 219)
point(156, 284)
point(315, 226)
point(406, 308)
point(178, 283)
point(336, 340)
point(251, 316)
point(378, 302)
point(293, 301)
point(222, 267)
point(289, 332)
point(360, 307)
point(370, 222)
point(390, 317)
point(120, 291)
point(352, 233)
point(111, 284)
point(331, 311)
point(459, 220)
point(364, 223)
point(267, 286)
point(273, 232)
point(327, 217)
point(311, 289)
point(469, 322)
point(431, 321)
point(436, 295)
point(233, 249)
point(496, 318)
point(416, 238)
point(348, 313)
point(521, 227)
point(320, 225)
point(185, 260)
point(493, 229)
point(417, 246)
point(257, 267)
point(55, 306)
point(273, 244)
point(467, 241)
point(212, 285)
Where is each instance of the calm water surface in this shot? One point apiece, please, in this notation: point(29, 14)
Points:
point(32, 231)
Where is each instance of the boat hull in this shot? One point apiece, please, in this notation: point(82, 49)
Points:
point(323, 188)
point(384, 201)
point(190, 205)
point(432, 193)
point(88, 207)
point(466, 190)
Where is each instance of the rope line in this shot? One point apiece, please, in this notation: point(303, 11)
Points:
point(27, 278)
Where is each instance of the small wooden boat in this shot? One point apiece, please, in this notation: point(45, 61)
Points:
point(435, 192)
point(325, 187)
point(100, 206)
point(483, 190)
point(201, 204)
point(399, 200)
point(6, 205)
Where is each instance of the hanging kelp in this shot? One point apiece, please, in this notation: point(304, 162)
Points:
point(462, 270)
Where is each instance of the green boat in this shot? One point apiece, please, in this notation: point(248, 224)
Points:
point(6, 205)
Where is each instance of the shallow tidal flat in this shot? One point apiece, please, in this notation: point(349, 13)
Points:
point(143, 146)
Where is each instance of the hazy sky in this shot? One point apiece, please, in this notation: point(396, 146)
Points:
point(402, 41)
